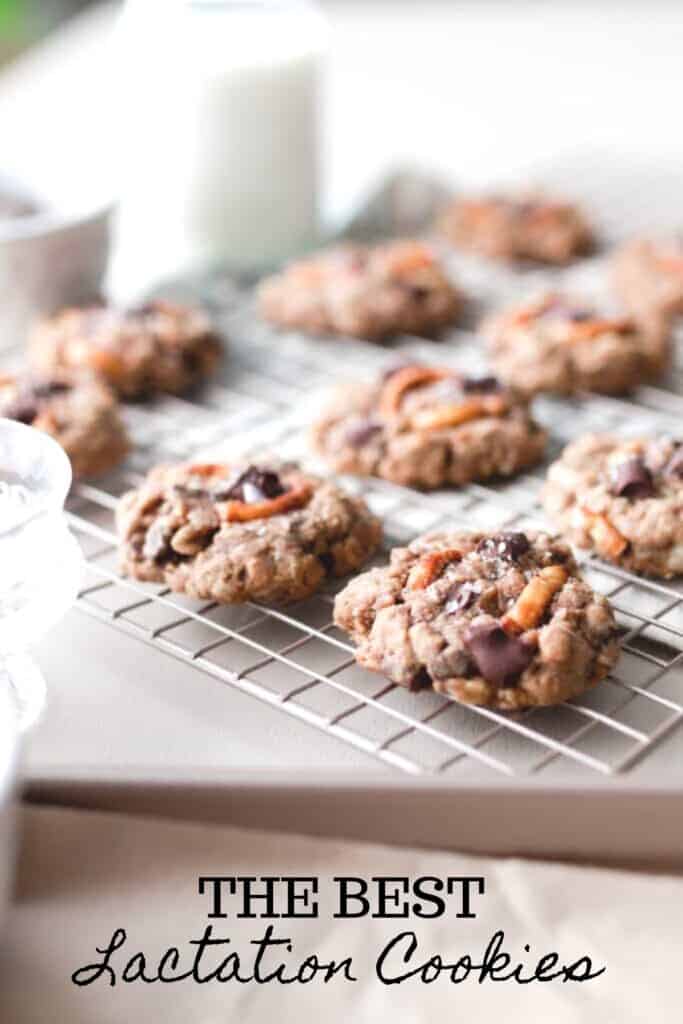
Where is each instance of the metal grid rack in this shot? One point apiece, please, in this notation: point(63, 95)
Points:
point(295, 657)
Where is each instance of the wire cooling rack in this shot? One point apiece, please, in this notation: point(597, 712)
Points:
point(295, 658)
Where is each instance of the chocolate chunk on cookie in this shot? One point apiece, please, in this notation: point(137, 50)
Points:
point(622, 499)
point(364, 292)
point(556, 344)
point(526, 227)
point(160, 346)
point(482, 620)
point(240, 533)
point(429, 427)
point(80, 412)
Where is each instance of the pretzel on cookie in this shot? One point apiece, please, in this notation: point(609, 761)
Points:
point(242, 512)
point(404, 380)
point(530, 606)
point(524, 315)
point(586, 330)
point(207, 469)
point(453, 415)
point(236, 511)
point(430, 566)
point(608, 541)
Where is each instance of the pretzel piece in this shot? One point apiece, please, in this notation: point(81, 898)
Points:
point(453, 415)
point(530, 606)
point(242, 512)
point(608, 541)
point(588, 329)
point(430, 566)
point(404, 380)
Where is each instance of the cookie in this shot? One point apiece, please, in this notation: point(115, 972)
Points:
point(80, 413)
point(363, 292)
point(240, 533)
point(501, 620)
point(429, 427)
point(622, 499)
point(558, 345)
point(511, 228)
point(648, 277)
point(156, 347)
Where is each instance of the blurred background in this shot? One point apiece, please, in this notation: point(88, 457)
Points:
point(474, 91)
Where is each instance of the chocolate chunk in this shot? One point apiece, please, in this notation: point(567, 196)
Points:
point(460, 596)
point(579, 316)
point(326, 559)
point(22, 408)
point(504, 545)
point(360, 434)
point(674, 466)
point(632, 479)
point(47, 388)
point(156, 546)
point(481, 385)
point(499, 658)
point(421, 680)
point(418, 293)
point(30, 396)
point(250, 485)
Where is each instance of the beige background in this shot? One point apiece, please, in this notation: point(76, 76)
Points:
point(85, 874)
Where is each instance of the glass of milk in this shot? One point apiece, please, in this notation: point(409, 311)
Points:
point(218, 140)
point(41, 561)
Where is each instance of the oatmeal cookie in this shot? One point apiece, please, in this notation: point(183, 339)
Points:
point(80, 413)
point(623, 499)
point(514, 228)
point(558, 345)
point(160, 346)
point(240, 533)
point(501, 620)
point(364, 292)
point(429, 427)
point(648, 278)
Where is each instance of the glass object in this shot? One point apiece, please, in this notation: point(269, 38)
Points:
point(41, 561)
point(218, 103)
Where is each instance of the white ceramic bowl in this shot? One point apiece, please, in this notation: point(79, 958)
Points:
point(42, 567)
point(48, 259)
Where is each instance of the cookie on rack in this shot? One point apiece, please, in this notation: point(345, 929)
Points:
point(80, 412)
point(242, 533)
point(559, 345)
point(372, 292)
point(648, 277)
point(160, 346)
point(623, 499)
point(518, 227)
point(501, 620)
point(429, 427)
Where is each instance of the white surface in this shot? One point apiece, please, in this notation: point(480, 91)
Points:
point(219, 146)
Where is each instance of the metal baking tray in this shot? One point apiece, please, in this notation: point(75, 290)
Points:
point(615, 744)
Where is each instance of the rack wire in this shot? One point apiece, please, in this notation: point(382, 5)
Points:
point(295, 657)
